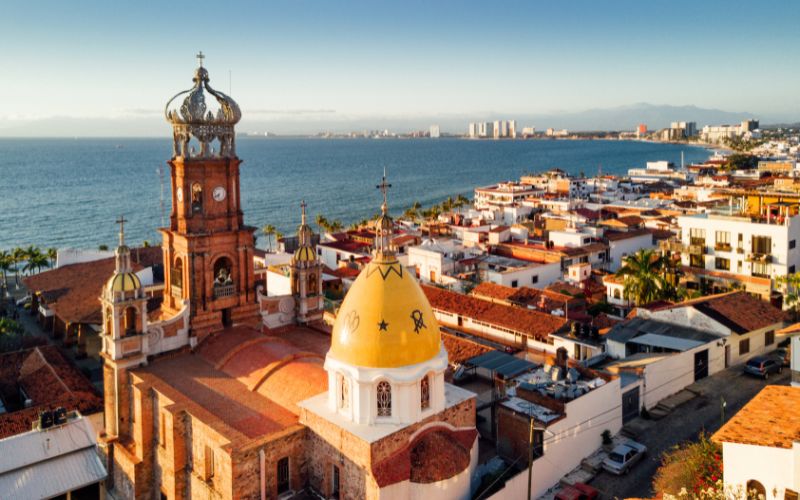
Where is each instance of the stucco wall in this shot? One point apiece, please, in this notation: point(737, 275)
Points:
point(772, 467)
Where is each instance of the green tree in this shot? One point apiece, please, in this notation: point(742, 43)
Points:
point(322, 223)
point(335, 226)
point(103, 247)
point(791, 295)
point(740, 161)
point(17, 257)
point(691, 467)
point(269, 231)
point(643, 274)
point(52, 256)
point(6, 264)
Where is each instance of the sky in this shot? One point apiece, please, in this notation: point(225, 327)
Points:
point(300, 65)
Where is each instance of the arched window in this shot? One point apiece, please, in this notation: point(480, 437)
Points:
point(384, 399)
point(197, 197)
point(223, 278)
point(312, 284)
point(344, 393)
point(425, 392)
point(130, 320)
point(755, 489)
point(616, 293)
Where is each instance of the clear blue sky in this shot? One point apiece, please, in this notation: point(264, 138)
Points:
point(309, 60)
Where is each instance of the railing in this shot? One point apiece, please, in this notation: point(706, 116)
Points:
point(697, 249)
point(723, 247)
point(760, 257)
point(223, 291)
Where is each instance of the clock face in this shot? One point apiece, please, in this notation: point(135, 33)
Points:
point(219, 193)
point(179, 194)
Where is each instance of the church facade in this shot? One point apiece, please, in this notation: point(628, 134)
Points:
point(223, 392)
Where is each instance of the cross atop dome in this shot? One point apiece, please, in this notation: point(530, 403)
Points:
point(121, 221)
point(303, 209)
point(200, 56)
point(384, 187)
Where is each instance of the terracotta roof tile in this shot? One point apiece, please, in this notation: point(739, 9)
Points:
point(769, 419)
point(460, 349)
point(525, 321)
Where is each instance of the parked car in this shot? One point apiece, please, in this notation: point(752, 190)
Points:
point(24, 300)
point(623, 457)
point(578, 491)
point(784, 355)
point(762, 366)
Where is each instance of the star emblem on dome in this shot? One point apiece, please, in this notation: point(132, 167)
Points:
point(383, 325)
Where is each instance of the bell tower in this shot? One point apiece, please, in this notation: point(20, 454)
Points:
point(306, 276)
point(124, 306)
point(208, 251)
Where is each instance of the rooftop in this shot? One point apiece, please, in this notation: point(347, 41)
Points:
point(769, 419)
point(524, 321)
point(661, 334)
point(739, 311)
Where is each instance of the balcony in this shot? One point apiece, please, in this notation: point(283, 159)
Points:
point(764, 258)
point(696, 249)
point(740, 250)
point(722, 247)
point(224, 291)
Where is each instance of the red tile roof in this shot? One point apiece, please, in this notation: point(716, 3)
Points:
point(769, 419)
point(49, 380)
point(72, 291)
point(524, 321)
point(460, 349)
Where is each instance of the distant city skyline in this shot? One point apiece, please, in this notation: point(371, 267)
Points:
point(307, 67)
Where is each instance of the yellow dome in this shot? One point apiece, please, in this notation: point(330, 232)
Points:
point(385, 320)
point(304, 254)
point(123, 282)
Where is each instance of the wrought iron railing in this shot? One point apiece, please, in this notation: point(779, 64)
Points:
point(223, 291)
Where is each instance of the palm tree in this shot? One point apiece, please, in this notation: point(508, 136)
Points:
point(278, 236)
point(644, 278)
point(322, 223)
point(791, 297)
point(335, 226)
point(37, 261)
point(17, 256)
point(6, 263)
point(52, 255)
point(461, 200)
point(269, 231)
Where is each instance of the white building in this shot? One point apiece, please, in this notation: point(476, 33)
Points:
point(436, 261)
point(434, 131)
point(656, 171)
point(765, 248)
point(761, 445)
point(515, 273)
point(502, 194)
point(624, 243)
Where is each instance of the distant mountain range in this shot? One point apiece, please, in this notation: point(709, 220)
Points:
point(616, 118)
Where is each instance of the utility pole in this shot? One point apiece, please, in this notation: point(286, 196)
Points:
point(530, 455)
point(722, 405)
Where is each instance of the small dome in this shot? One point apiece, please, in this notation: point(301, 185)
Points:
point(304, 254)
point(385, 320)
point(123, 282)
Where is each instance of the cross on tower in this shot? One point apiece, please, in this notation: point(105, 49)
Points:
point(200, 58)
point(384, 187)
point(121, 221)
point(303, 209)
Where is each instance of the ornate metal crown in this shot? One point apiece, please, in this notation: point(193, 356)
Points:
point(193, 114)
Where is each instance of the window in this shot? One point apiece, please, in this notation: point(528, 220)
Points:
point(425, 393)
point(791, 269)
point(130, 320)
point(697, 236)
point(792, 244)
point(344, 393)
point(722, 264)
point(744, 346)
point(762, 244)
point(761, 269)
point(514, 284)
point(162, 429)
point(696, 260)
point(197, 197)
point(283, 475)
point(617, 295)
point(335, 482)
point(534, 279)
point(755, 489)
point(208, 471)
point(769, 338)
point(723, 240)
point(384, 399)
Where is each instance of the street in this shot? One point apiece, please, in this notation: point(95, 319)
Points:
point(683, 424)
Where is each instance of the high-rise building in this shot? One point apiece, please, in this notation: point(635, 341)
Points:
point(434, 131)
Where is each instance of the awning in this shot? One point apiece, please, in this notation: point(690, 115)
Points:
point(55, 476)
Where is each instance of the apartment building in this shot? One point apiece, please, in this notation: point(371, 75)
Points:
point(762, 246)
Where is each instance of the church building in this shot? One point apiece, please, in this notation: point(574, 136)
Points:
point(226, 393)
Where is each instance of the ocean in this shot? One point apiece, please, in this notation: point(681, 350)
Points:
point(68, 192)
